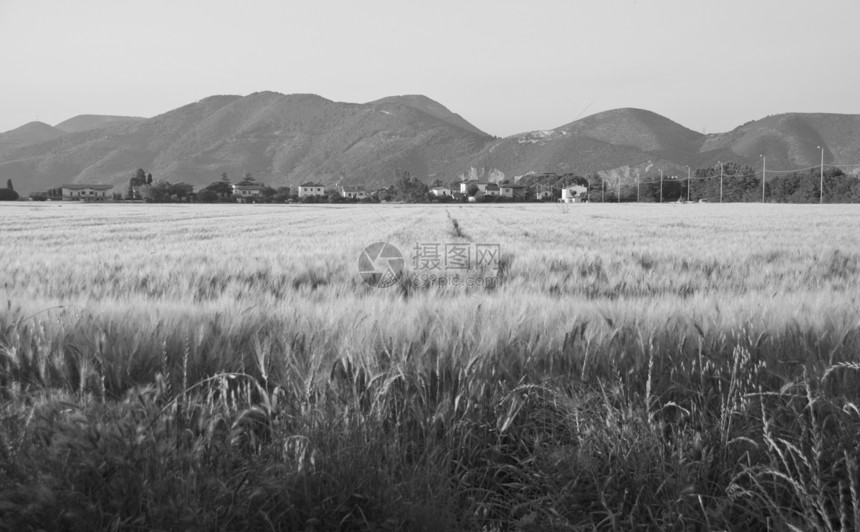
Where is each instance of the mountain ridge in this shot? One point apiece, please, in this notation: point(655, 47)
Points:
point(287, 139)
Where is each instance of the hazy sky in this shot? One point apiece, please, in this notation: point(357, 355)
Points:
point(506, 66)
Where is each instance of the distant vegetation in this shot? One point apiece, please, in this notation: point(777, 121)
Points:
point(8, 193)
point(641, 368)
point(290, 139)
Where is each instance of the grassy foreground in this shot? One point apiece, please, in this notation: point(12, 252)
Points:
point(224, 367)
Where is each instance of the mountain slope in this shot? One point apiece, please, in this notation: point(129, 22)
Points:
point(603, 142)
point(288, 139)
point(629, 143)
point(432, 108)
point(87, 122)
point(280, 139)
point(791, 140)
point(30, 133)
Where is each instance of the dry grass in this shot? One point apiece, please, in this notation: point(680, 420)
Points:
point(639, 366)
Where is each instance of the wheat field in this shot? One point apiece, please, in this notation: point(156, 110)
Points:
point(633, 367)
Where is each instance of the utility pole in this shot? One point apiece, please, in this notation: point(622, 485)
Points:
point(721, 181)
point(688, 183)
point(821, 185)
point(763, 174)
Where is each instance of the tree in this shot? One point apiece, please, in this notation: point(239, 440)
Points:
point(281, 195)
point(437, 183)
point(408, 188)
point(182, 191)
point(161, 192)
point(269, 193)
point(222, 188)
point(207, 195)
point(9, 184)
point(149, 179)
point(8, 195)
point(472, 190)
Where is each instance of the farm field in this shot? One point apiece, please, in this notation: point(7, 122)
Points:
point(633, 366)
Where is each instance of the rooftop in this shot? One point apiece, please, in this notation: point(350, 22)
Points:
point(81, 186)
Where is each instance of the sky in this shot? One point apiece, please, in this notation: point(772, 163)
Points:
point(505, 66)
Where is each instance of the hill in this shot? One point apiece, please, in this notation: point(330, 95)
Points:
point(605, 143)
point(791, 140)
point(432, 108)
point(30, 133)
point(280, 139)
point(626, 143)
point(289, 139)
point(87, 122)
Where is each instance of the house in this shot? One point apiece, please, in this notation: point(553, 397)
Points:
point(544, 193)
point(510, 190)
point(84, 192)
point(248, 192)
point(311, 189)
point(574, 194)
point(464, 186)
point(440, 191)
point(492, 189)
point(353, 192)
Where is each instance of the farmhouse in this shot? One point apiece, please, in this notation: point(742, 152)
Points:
point(311, 189)
point(440, 191)
point(86, 192)
point(353, 192)
point(544, 192)
point(513, 191)
point(491, 189)
point(464, 186)
point(573, 194)
point(248, 192)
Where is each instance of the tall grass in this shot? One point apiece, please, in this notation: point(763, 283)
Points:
point(213, 367)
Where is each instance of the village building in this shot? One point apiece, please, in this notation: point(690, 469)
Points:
point(544, 193)
point(513, 191)
point(440, 191)
point(248, 193)
point(574, 194)
point(353, 192)
point(464, 186)
point(87, 192)
point(311, 189)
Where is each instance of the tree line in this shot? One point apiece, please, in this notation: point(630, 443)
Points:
point(739, 183)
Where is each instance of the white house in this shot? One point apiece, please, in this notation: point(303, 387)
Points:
point(248, 192)
point(491, 189)
point(440, 191)
point(464, 186)
point(573, 194)
point(311, 189)
point(87, 192)
point(353, 192)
